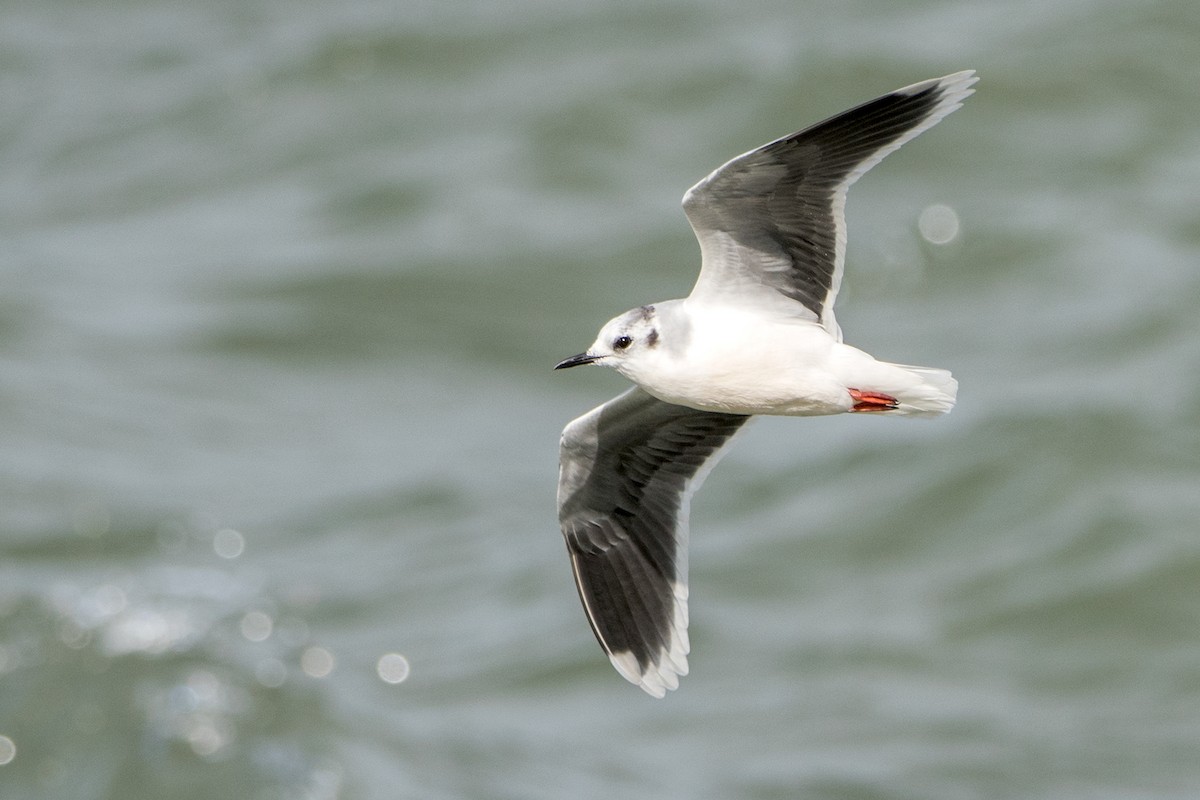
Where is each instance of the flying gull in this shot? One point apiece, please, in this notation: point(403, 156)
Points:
point(756, 335)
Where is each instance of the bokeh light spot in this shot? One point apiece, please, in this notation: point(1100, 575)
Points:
point(392, 668)
point(938, 224)
point(228, 543)
point(271, 673)
point(317, 662)
point(257, 626)
point(8, 750)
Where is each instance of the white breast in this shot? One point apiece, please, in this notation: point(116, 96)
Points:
point(745, 363)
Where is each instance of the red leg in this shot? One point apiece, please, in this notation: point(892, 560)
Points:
point(872, 401)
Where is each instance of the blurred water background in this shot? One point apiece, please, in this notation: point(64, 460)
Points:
point(282, 284)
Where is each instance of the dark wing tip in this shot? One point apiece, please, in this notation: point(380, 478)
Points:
point(627, 471)
point(781, 204)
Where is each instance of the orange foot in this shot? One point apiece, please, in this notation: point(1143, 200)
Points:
point(872, 401)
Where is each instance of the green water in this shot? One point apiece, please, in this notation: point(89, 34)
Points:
point(283, 283)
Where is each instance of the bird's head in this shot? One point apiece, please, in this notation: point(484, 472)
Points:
point(622, 343)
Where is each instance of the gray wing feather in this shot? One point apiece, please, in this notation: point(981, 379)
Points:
point(771, 222)
point(626, 475)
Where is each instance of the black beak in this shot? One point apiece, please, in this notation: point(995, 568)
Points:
point(575, 361)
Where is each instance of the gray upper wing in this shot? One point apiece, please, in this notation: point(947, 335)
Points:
point(627, 471)
point(771, 222)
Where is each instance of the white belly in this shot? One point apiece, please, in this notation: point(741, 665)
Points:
point(746, 366)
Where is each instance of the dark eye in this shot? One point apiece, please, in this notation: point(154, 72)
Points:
point(621, 342)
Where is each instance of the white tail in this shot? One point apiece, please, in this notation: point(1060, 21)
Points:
point(927, 392)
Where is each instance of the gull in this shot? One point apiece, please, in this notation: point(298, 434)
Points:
point(757, 335)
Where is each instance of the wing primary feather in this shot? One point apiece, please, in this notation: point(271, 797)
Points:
point(627, 471)
point(771, 222)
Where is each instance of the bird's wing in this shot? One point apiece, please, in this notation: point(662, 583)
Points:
point(771, 223)
point(626, 475)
